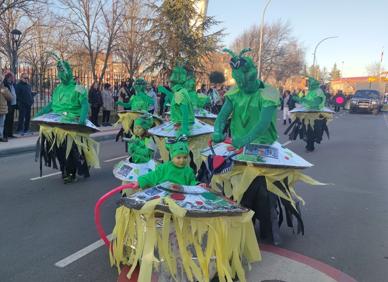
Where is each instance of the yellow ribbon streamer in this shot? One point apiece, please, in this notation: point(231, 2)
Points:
point(85, 144)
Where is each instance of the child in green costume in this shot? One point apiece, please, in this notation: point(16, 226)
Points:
point(141, 147)
point(140, 101)
point(251, 105)
point(176, 170)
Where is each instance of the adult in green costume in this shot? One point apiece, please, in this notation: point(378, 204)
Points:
point(315, 98)
point(141, 147)
point(182, 110)
point(311, 124)
point(75, 150)
point(140, 101)
point(68, 99)
point(176, 171)
point(251, 104)
point(198, 101)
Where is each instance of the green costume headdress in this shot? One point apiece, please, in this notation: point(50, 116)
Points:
point(65, 72)
point(244, 71)
point(145, 121)
point(178, 148)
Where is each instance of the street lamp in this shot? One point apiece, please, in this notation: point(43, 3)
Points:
point(16, 34)
point(261, 35)
point(315, 51)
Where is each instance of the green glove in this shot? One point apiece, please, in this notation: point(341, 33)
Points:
point(222, 118)
point(45, 110)
point(265, 119)
point(121, 103)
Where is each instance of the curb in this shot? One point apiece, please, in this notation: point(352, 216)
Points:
point(31, 147)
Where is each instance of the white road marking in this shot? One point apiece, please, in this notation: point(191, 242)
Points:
point(287, 142)
point(81, 253)
point(44, 176)
point(115, 159)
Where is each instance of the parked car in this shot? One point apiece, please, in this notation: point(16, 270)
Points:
point(366, 100)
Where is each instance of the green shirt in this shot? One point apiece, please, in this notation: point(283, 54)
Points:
point(180, 98)
point(140, 102)
point(168, 172)
point(246, 112)
point(310, 102)
point(68, 99)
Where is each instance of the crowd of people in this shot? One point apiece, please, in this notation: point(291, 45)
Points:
point(15, 96)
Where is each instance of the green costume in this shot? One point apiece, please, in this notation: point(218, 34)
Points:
point(169, 171)
point(140, 101)
point(75, 151)
point(251, 105)
point(141, 148)
point(315, 98)
point(198, 101)
point(182, 110)
point(68, 99)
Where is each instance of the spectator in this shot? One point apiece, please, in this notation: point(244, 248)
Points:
point(24, 100)
point(107, 100)
point(126, 91)
point(5, 97)
point(286, 109)
point(95, 101)
point(9, 118)
point(152, 93)
point(291, 101)
point(162, 100)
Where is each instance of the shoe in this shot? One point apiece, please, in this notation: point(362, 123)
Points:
point(12, 136)
point(3, 140)
point(27, 133)
point(284, 122)
point(289, 121)
point(19, 133)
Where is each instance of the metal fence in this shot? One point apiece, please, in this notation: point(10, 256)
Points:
point(43, 84)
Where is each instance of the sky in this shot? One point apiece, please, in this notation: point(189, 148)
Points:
point(361, 27)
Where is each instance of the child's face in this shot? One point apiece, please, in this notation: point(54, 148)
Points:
point(138, 131)
point(180, 160)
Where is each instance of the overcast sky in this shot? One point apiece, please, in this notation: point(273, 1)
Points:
point(361, 27)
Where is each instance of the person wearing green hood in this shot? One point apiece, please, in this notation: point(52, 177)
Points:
point(182, 109)
point(140, 101)
point(176, 170)
point(251, 105)
point(75, 150)
point(141, 147)
point(310, 122)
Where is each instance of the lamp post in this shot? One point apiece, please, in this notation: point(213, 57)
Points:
point(315, 52)
point(261, 36)
point(15, 39)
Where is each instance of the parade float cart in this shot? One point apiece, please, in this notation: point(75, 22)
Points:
point(261, 178)
point(181, 233)
point(199, 135)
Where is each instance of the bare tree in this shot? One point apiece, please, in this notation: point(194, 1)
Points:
point(282, 55)
point(6, 5)
point(12, 19)
point(374, 69)
point(134, 37)
point(95, 25)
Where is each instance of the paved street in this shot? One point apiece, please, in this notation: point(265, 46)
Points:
point(43, 221)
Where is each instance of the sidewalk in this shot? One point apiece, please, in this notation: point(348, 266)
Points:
point(24, 144)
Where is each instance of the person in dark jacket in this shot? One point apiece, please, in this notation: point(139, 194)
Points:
point(95, 101)
point(24, 101)
point(9, 80)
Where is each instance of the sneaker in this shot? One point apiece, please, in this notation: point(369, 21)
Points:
point(19, 133)
point(3, 139)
